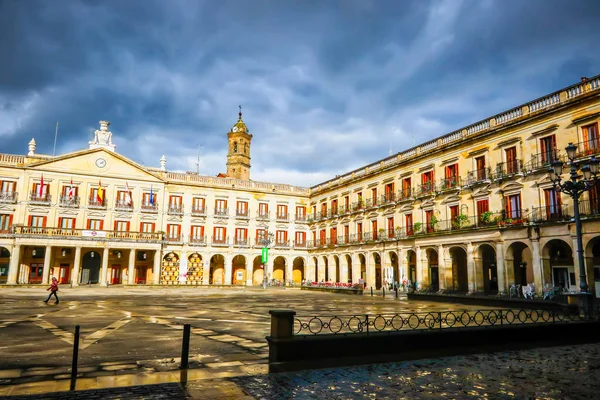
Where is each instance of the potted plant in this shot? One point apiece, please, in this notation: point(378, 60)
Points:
point(461, 220)
point(433, 222)
point(417, 227)
point(486, 217)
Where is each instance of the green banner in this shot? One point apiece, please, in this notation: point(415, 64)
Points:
point(265, 255)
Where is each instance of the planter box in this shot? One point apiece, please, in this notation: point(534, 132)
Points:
point(333, 290)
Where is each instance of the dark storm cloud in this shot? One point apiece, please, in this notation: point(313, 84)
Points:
point(326, 86)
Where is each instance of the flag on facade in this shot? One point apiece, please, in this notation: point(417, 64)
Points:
point(151, 195)
point(41, 189)
point(71, 191)
point(127, 194)
point(100, 195)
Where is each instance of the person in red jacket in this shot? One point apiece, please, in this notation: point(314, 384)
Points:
point(53, 289)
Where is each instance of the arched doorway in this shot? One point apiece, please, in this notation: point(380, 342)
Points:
point(195, 269)
point(4, 264)
point(363, 269)
point(217, 270)
point(349, 269)
point(393, 273)
point(434, 275)
point(298, 270)
point(314, 272)
point(258, 271)
point(411, 257)
point(592, 263)
point(460, 276)
point(279, 270)
point(378, 274)
point(238, 266)
point(558, 259)
point(336, 269)
point(90, 267)
point(170, 269)
point(325, 269)
point(489, 269)
point(519, 264)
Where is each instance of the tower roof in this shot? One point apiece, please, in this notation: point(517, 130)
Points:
point(240, 125)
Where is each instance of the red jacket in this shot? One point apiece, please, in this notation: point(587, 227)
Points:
point(54, 286)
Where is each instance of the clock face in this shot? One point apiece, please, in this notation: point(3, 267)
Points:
point(235, 128)
point(101, 163)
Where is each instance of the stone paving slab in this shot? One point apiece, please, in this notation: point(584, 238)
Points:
point(171, 391)
point(569, 372)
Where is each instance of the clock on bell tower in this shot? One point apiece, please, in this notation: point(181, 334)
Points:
point(238, 155)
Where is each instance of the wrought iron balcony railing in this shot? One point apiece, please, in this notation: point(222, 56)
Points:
point(121, 205)
point(241, 242)
point(197, 240)
point(8, 197)
point(542, 161)
point(219, 241)
point(452, 182)
point(282, 244)
point(427, 188)
point(588, 148)
point(66, 201)
point(589, 208)
point(86, 234)
point(175, 209)
point(282, 217)
point(94, 203)
point(405, 194)
point(198, 211)
point(221, 212)
point(550, 214)
point(300, 218)
point(262, 215)
point(372, 202)
point(478, 176)
point(507, 169)
point(387, 198)
point(149, 207)
point(44, 199)
point(300, 244)
point(358, 206)
point(173, 238)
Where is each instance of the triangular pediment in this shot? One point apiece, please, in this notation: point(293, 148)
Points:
point(406, 207)
point(451, 199)
point(97, 162)
point(428, 203)
point(482, 191)
point(511, 186)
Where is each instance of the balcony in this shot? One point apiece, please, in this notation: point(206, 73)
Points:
point(95, 204)
point(221, 212)
point(198, 211)
point(478, 177)
point(550, 214)
point(388, 198)
point(300, 244)
point(282, 217)
point(332, 212)
point(426, 189)
point(262, 216)
point(587, 148)
point(281, 244)
point(370, 203)
point(589, 208)
point(121, 205)
point(69, 202)
point(405, 194)
point(343, 210)
point(242, 214)
point(149, 207)
point(542, 161)
point(358, 206)
point(173, 239)
point(508, 169)
point(86, 234)
point(343, 240)
point(300, 218)
point(452, 182)
point(197, 240)
point(175, 209)
point(219, 241)
point(241, 242)
point(8, 197)
point(43, 200)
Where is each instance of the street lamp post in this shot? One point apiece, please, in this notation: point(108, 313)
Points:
point(266, 242)
point(575, 186)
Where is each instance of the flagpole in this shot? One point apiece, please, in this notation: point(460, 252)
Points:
point(55, 136)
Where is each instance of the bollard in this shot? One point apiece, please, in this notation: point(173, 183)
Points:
point(396, 292)
point(383, 291)
point(75, 355)
point(185, 346)
point(371, 291)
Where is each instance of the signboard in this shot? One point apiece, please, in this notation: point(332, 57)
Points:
point(87, 233)
point(265, 255)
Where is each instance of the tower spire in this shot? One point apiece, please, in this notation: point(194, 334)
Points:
point(240, 113)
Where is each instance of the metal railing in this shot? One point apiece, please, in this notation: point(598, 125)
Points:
point(425, 321)
point(426, 188)
point(68, 201)
point(507, 169)
point(35, 197)
point(173, 238)
point(300, 218)
point(451, 182)
point(589, 208)
point(242, 213)
point(587, 148)
point(550, 214)
point(262, 215)
point(282, 244)
point(84, 234)
point(542, 161)
point(94, 203)
point(282, 217)
point(123, 206)
point(477, 176)
point(198, 211)
point(175, 209)
point(197, 240)
point(405, 194)
point(8, 197)
point(241, 242)
point(387, 198)
point(219, 241)
point(149, 207)
point(221, 212)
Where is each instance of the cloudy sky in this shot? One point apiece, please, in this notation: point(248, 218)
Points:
point(326, 86)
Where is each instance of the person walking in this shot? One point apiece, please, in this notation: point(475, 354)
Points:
point(53, 289)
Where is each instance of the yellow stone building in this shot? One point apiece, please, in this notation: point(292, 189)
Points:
point(471, 211)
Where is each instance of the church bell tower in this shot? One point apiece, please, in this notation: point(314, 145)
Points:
point(238, 156)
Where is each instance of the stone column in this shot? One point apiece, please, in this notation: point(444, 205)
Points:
point(13, 268)
point(343, 269)
point(538, 267)
point(289, 270)
point(76, 267)
point(228, 270)
point(47, 262)
point(471, 267)
point(104, 271)
point(206, 271)
point(422, 273)
point(156, 267)
point(269, 269)
point(441, 267)
point(500, 267)
point(130, 267)
point(249, 271)
point(370, 264)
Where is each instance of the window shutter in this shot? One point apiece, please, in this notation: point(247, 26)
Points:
point(115, 225)
point(101, 224)
point(10, 219)
point(141, 227)
point(60, 222)
point(74, 223)
point(128, 224)
point(44, 219)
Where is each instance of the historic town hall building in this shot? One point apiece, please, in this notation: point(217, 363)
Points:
point(473, 210)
